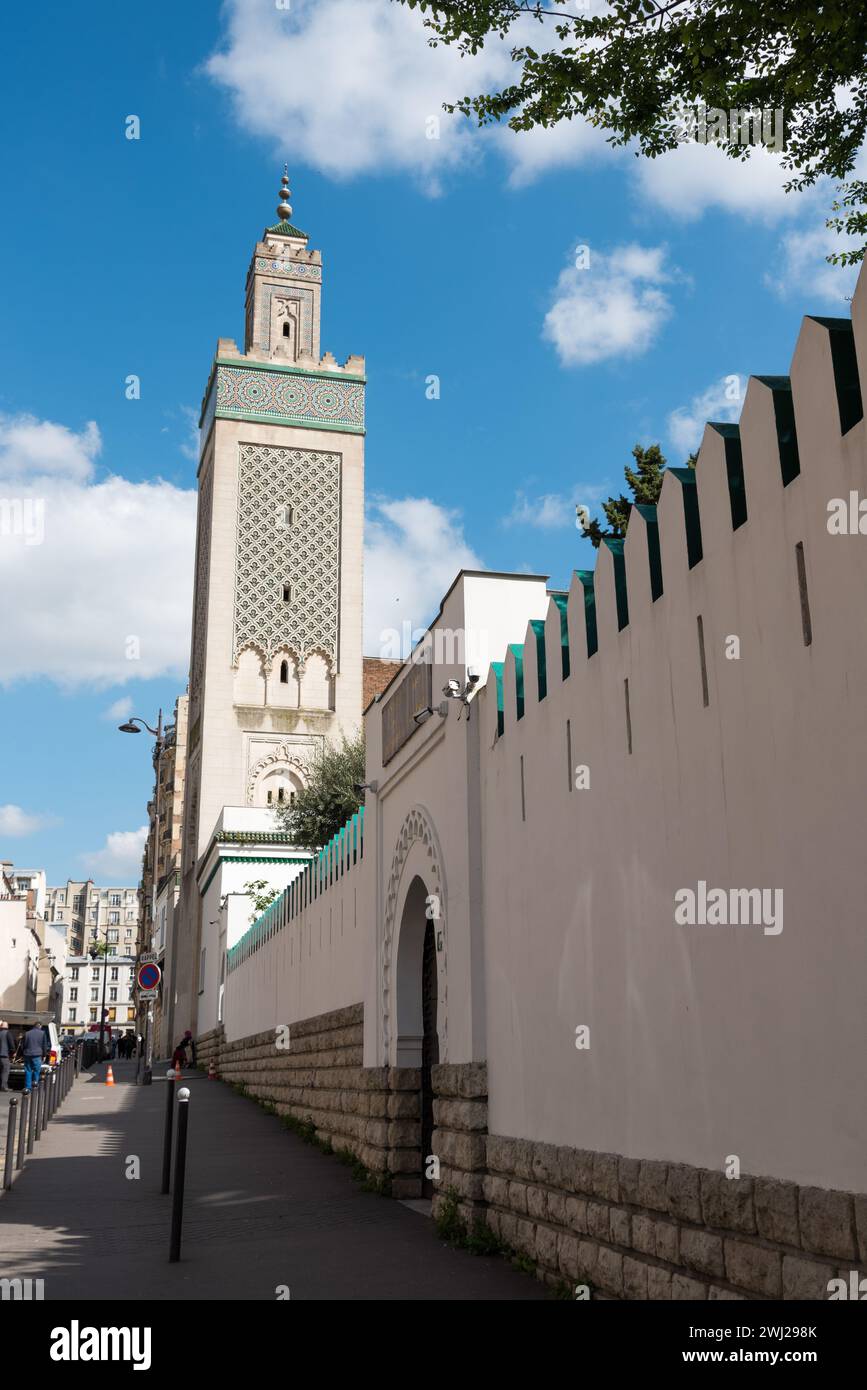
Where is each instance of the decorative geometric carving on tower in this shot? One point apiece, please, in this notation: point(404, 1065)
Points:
point(200, 601)
point(287, 580)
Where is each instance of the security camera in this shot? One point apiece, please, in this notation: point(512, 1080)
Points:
point(422, 714)
point(472, 676)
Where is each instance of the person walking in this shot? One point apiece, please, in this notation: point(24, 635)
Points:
point(34, 1047)
point(7, 1052)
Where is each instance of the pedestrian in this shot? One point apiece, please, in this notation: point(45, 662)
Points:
point(7, 1052)
point(114, 1046)
point(190, 1042)
point(34, 1047)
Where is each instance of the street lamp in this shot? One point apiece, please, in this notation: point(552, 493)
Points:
point(95, 953)
point(134, 725)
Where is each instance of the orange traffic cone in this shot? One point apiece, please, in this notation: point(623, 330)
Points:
point(109, 1076)
point(177, 1071)
point(212, 1072)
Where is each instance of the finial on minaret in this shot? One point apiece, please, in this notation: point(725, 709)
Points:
point(284, 208)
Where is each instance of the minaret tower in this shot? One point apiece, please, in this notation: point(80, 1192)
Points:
point(276, 663)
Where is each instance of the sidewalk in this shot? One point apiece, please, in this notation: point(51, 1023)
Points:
point(262, 1210)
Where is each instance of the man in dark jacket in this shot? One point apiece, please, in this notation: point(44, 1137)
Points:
point(7, 1052)
point(34, 1048)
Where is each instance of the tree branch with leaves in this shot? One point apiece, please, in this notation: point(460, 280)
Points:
point(633, 67)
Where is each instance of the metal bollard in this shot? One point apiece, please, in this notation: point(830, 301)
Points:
point(167, 1134)
point(43, 1109)
point(31, 1119)
point(10, 1142)
point(23, 1127)
point(53, 1095)
point(180, 1168)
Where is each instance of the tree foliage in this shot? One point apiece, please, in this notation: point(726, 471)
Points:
point(323, 807)
point(261, 896)
point(632, 67)
point(645, 484)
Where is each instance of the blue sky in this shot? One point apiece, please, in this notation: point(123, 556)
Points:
point(452, 256)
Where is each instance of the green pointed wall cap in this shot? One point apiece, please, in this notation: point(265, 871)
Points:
point(286, 229)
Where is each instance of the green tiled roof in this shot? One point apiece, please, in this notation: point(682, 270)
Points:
point(253, 837)
point(286, 229)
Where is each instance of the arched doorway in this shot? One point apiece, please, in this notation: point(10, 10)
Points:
point(417, 1008)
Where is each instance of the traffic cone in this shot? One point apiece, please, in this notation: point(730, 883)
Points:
point(109, 1076)
point(177, 1071)
point(213, 1074)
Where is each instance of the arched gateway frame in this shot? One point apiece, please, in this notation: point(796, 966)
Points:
point(414, 961)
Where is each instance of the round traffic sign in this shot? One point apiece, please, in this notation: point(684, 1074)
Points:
point(149, 976)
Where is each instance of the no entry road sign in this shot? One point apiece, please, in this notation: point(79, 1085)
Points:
point(149, 976)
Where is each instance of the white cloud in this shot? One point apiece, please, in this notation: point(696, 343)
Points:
point(14, 821)
point(89, 564)
point(552, 510)
point(687, 181)
point(720, 403)
point(119, 860)
point(121, 709)
point(349, 86)
point(613, 308)
point(802, 269)
point(413, 551)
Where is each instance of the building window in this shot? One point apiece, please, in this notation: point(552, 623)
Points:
point(60, 916)
point(93, 1015)
point(94, 974)
point(130, 1015)
point(61, 897)
point(112, 1015)
point(130, 916)
point(114, 918)
point(73, 974)
point(286, 591)
point(285, 517)
point(114, 899)
point(72, 1013)
point(112, 950)
point(73, 994)
point(94, 994)
point(113, 975)
point(114, 935)
point(112, 994)
point(77, 903)
point(284, 672)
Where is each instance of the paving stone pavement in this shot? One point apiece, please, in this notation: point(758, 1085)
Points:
point(262, 1210)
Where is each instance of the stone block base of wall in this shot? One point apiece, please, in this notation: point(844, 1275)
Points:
point(460, 1112)
point(313, 1072)
point(637, 1229)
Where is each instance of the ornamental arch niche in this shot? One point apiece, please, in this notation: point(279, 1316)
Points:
point(414, 1003)
point(282, 771)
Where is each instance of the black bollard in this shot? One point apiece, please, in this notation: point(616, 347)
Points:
point(23, 1127)
point(10, 1142)
point(180, 1167)
point(43, 1106)
point(167, 1136)
point(32, 1118)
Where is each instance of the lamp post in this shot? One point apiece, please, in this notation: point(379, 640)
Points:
point(135, 725)
point(95, 953)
